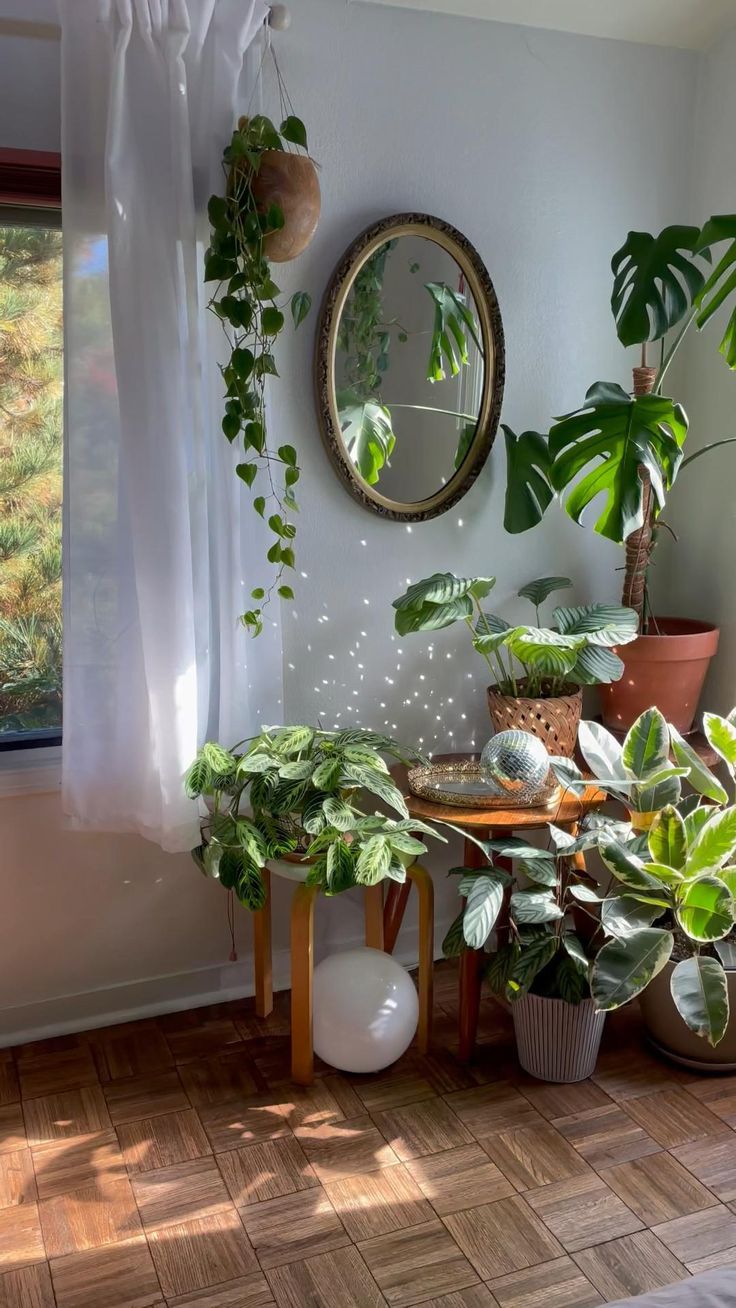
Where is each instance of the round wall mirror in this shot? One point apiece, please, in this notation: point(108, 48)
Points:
point(410, 367)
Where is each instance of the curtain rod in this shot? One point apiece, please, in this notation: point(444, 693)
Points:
point(279, 18)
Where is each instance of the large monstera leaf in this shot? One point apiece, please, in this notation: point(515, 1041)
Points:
point(722, 282)
point(611, 437)
point(655, 281)
point(366, 432)
point(529, 491)
point(453, 323)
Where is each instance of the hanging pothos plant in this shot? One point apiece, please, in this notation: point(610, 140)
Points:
point(247, 221)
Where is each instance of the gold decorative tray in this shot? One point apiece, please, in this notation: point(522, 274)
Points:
point(462, 785)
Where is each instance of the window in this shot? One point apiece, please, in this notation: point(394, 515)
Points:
point(31, 427)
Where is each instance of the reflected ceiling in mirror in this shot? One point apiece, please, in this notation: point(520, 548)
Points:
point(410, 367)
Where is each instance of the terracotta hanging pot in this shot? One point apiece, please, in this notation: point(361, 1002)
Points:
point(290, 181)
point(665, 671)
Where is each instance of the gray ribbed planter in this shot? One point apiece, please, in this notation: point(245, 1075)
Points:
point(556, 1041)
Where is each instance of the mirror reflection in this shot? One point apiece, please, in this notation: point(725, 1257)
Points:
point(409, 369)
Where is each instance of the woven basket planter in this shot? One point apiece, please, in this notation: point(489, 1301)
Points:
point(557, 1041)
point(554, 721)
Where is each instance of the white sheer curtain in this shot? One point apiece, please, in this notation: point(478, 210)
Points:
point(157, 535)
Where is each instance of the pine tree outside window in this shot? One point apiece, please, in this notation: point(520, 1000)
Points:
point(31, 449)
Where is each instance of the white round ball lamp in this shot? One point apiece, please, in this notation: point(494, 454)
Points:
point(365, 1010)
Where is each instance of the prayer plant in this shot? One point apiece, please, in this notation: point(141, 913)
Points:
point(628, 449)
point(294, 792)
point(576, 651)
point(248, 303)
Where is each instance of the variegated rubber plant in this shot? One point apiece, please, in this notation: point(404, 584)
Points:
point(294, 791)
point(577, 650)
point(674, 879)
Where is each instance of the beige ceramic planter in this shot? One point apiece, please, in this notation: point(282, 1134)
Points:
point(556, 1041)
point(674, 1039)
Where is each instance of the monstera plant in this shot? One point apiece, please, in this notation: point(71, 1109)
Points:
point(617, 456)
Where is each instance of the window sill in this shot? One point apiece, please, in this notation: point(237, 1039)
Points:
point(30, 771)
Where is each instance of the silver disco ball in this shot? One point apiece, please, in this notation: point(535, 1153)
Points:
point(516, 764)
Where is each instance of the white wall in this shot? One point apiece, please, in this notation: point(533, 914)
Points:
point(544, 149)
point(699, 580)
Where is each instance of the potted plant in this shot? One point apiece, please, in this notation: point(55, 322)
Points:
point(268, 212)
point(541, 962)
point(537, 671)
point(629, 449)
point(292, 795)
point(670, 911)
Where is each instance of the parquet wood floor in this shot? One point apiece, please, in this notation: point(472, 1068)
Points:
point(170, 1163)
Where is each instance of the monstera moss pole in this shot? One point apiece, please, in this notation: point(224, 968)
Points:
point(628, 449)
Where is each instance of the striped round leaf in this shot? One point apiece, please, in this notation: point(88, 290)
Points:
point(538, 591)
point(601, 624)
point(597, 666)
point(493, 640)
point(625, 966)
point(705, 909)
point(443, 588)
point(700, 991)
point(481, 910)
point(338, 813)
point(535, 906)
point(433, 617)
point(548, 652)
point(668, 838)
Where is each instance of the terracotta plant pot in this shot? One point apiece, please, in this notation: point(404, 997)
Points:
point(673, 1038)
point(665, 671)
point(554, 720)
point(556, 1041)
point(291, 182)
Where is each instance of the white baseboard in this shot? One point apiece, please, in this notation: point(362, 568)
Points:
point(152, 996)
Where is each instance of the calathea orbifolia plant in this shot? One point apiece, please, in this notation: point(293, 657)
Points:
point(629, 448)
point(295, 791)
point(541, 951)
point(248, 304)
point(576, 651)
point(673, 894)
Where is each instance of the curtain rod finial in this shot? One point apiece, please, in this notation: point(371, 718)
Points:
point(279, 18)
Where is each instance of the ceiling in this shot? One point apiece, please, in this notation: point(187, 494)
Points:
point(689, 24)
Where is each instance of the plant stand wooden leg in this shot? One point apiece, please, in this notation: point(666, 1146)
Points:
point(425, 890)
point(302, 965)
point(397, 898)
point(262, 964)
point(373, 909)
point(471, 972)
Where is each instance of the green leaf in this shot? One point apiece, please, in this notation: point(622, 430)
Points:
point(454, 942)
point(530, 961)
point(646, 747)
point(613, 435)
point(705, 909)
point(534, 906)
point(668, 838)
point(656, 280)
point(726, 951)
point(259, 505)
point(622, 915)
point(500, 966)
point(721, 284)
point(482, 907)
point(453, 324)
point(242, 362)
point(250, 888)
point(340, 869)
point(543, 872)
point(601, 624)
point(217, 210)
point(721, 735)
point(219, 759)
point(272, 320)
point(373, 861)
point(287, 454)
point(367, 433)
point(626, 867)
point(625, 965)
point(528, 488)
point(248, 473)
point(293, 129)
point(301, 303)
point(538, 591)
point(714, 842)
point(378, 784)
point(338, 813)
point(700, 777)
point(327, 774)
point(596, 666)
point(231, 426)
point(700, 991)
point(299, 770)
point(548, 652)
point(285, 592)
point(258, 593)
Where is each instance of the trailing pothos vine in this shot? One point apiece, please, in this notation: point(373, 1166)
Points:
point(248, 303)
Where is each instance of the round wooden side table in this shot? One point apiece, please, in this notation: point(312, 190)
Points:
point(484, 824)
